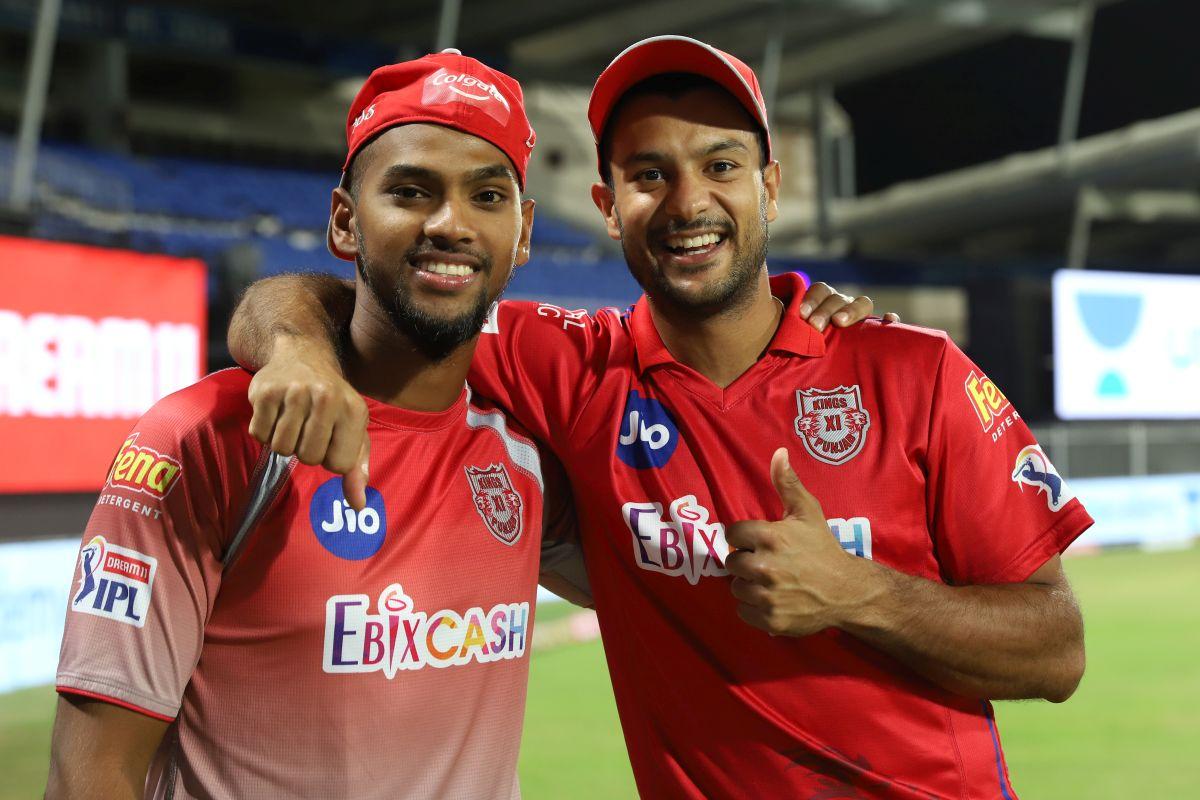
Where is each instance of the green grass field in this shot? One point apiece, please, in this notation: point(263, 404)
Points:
point(1130, 731)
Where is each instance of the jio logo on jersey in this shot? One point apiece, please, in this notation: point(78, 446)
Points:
point(648, 435)
point(349, 534)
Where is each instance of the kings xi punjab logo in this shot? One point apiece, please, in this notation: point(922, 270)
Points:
point(833, 423)
point(496, 501)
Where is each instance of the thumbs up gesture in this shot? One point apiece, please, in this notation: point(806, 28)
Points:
point(792, 577)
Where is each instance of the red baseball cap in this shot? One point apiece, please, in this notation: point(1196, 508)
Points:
point(662, 54)
point(445, 88)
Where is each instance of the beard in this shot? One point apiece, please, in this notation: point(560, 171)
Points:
point(724, 295)
point(435, 337)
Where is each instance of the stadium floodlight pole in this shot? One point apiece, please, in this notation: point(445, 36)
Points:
point(448, 24)
point(772, 56)
point(33, 109)
point(1068, 128)
point(822, 98)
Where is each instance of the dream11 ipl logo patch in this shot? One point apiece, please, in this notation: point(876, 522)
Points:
point(349, 534)
point(832, 423)
point(1033, 468)
point(114, 582)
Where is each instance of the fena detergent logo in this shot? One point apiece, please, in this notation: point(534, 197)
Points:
point(349, 534)
point(394, 636)
point(144, 469)
point(986, 398)
point(114, 582)
point(648, 434)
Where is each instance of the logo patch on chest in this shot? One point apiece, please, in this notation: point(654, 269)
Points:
point(498, 503)
point(648, 434)
point(832, 423)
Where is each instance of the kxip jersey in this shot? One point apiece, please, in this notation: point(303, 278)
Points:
point(919, 462)
point(302, 648)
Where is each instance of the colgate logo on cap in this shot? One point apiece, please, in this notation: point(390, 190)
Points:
point(444, 86)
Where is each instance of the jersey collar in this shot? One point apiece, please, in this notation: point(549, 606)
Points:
point(794, 335)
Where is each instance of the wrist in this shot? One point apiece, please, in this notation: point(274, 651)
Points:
point(871, 596)
point(291, 345)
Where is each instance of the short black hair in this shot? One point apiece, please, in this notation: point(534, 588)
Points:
point(673, 85)
point(354, 173)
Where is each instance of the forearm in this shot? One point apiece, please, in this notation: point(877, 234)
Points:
point(1005, 642)
point(84, 780)
point(313, 308)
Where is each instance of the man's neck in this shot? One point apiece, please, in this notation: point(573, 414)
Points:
point(383, 364)
point(722, 346)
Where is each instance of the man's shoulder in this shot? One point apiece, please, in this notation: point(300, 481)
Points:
point(892, 342)
point(215, 406)
point(511, 315)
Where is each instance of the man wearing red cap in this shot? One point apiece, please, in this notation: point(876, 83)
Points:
point(253, 635)
point(714, 442)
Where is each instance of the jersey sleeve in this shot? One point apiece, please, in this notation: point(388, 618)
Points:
point(150, 561)
point(542, 363)
point(998, 509)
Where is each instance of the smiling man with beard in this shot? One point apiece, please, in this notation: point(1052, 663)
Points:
point(908, 581)
point(262, 638)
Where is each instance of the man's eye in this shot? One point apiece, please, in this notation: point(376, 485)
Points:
point(490, 196)
point(724, 166)
point(650, 175)
point(408, 192)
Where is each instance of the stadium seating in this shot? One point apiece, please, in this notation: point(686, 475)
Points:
point(221, 212)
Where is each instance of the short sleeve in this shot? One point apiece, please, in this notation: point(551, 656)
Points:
point(998, 508)
point(150, 561)
point(542, 363)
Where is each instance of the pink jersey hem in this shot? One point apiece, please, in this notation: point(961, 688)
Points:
point(114, 701)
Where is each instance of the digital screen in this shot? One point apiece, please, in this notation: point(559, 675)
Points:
point(90, 338)
point(1126, 345)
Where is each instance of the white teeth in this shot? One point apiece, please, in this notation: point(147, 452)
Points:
point(692, 242)
point(459, 270)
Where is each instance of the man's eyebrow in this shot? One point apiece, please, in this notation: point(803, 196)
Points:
point(490, 173)
point(396, 171)
point(652, 156)
point(725, 144)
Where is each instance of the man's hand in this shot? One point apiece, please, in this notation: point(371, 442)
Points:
point(303, 406)
point(822, 303)
point(791, 576)
point(1000, 642)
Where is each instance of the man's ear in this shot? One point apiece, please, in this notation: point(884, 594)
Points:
point(605, 200)
point(522, 258)
point(771, 180)
point(344, 226)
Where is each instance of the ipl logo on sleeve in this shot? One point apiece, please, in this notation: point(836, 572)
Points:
point(1032, 468)
point(114, 582)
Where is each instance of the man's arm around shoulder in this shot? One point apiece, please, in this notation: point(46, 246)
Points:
point(286, 330)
